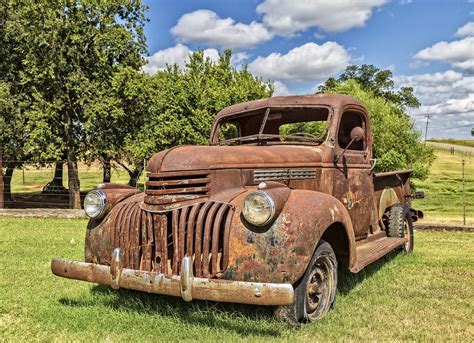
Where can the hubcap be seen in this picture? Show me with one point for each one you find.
(407, 235)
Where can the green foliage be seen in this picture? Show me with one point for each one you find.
(379, 82)
(395, 141)
(183, 103)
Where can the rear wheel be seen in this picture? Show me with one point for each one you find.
(316, 291)
(400, 225)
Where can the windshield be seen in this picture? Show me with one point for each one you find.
(273, 126)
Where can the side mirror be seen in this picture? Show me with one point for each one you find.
(357, 134)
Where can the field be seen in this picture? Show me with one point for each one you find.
(443, 201)
(425, 296)
(462, 142)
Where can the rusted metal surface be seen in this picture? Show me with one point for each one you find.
(188, 224)
(201, 288)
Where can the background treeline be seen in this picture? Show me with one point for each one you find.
(72, 89)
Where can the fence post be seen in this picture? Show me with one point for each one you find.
(1, 178)
(463, 195)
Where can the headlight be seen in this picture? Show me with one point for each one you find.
(258, 208)
(95, 204)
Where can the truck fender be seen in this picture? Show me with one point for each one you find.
(281, 252)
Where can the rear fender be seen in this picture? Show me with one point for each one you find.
(281, 252)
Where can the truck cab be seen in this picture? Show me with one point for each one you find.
(264, 214)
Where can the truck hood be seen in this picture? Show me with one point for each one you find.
(199, 157)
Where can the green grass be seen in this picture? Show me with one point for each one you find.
(463, 142)
(36, 178)
(443, 201)
(425, 296)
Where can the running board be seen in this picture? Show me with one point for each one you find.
(371, 251)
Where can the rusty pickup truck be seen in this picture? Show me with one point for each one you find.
(264, 214)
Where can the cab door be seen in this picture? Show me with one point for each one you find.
(353, 181)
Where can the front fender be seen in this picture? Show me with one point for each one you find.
(282, 252)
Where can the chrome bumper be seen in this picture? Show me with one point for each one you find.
(185, 285)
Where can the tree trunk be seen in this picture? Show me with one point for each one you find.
(134, 175)
(56, 184)
(7, 181)
(72, 170)
(107, 170)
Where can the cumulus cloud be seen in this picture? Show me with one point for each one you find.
(178, 54)
(286, 18)
(458, 53)
(466, 30)
(449, 96)
(309, 62)
(206, 27)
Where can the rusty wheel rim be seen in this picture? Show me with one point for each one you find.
(407, 235)
(318, 288)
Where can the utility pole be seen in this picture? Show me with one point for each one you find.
(428, 116)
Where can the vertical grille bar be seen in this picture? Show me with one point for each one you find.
(191, 226)
(182, 234)
(216, 238)
(198, 239)
(164, 244)
(225, 252)
(158, 246)
(207, 238)
(175, 222)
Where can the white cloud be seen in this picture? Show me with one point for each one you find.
(449, 96)
(206, 27)
(279, 88)
(459, 53)
(466, 30)
(309, 62)
(285, 17)
(178, 54)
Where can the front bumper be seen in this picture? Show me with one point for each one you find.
(185, 285)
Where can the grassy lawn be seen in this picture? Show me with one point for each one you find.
(443, 190)
(428, 295)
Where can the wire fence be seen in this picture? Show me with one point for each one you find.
(449, 190)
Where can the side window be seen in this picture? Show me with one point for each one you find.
(229, 130)
(350, 120)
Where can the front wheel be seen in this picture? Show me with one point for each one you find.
(316, 291)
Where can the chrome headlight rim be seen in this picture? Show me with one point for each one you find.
(271, 203)
(103, 204)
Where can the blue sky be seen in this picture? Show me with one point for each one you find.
(428, 45)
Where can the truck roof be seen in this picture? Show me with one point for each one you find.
(309, 100)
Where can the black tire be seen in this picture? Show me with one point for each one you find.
(316, 291)
(400, 225)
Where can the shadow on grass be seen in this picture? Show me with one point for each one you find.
(347, 280)
(245, 320)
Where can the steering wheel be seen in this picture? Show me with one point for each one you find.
(303, 134)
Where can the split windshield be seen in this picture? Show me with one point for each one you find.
(275, 125)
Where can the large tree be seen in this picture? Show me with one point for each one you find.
(62, 55)
(140, 114)
(377, 81)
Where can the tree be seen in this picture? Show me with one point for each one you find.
(378, 82)
(396, 142)
(61, 55)
(175, 106)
